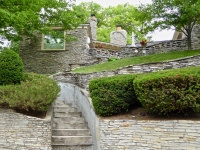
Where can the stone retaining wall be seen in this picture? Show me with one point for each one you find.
(20, 132)
(149, 135)
(158, 47)
(82, 80)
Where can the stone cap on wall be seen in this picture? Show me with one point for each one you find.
(83, 25)
(110, 46)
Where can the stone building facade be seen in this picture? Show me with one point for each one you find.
(83, 53)
(51, 61)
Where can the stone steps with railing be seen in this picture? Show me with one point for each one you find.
(69, 129)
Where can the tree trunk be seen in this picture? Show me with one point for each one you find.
(189, 40)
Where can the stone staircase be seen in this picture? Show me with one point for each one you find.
(69, 129)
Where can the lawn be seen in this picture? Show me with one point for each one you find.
(114, 65)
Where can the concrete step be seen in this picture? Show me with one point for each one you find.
(59, 103)
(64, 109)
(81, 147)
(70, 120)
(67, 114)
(70, 132)
(69, 129)
(71, 140)
(70, 126)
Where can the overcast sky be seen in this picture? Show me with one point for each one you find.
(157, 36)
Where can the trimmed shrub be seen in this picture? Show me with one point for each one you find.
(35, 93)
(170, 91)
(112, 95)
(11, 68)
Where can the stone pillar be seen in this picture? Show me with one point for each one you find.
(119, 36)
(93, 27)
(133, 39)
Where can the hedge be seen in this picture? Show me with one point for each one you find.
(170, 91)
(35, 93)
(112, 95)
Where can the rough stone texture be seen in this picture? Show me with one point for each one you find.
(48, 62)
(102, 55)
(82, 80)
(93, 27)
(149, 135)
(78, 54)
(196, 37)
(72, 148)
(20, 132)
(118, 37)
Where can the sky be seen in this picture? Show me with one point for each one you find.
(156, 36)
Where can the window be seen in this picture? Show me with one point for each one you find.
(54, 41)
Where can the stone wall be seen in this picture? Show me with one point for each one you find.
(20, 132)
(196, 37)
(48, 62)
(77, 53)
(97, 55)
(158, 47)
(82, 80)
(149, 134)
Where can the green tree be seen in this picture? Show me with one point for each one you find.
(129, 17)
(87, 8)
(126, 15)
(26, 17)
(144, 18)
(180, 14)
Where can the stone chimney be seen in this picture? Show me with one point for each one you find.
(93, 27)
(119, 36)
(119, 27)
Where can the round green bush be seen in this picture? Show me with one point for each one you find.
(174, 91)
(11, 68)
(35, 93)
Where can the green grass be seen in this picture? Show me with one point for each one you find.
(114, 65)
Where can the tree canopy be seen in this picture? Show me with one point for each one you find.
(180, 14)
(25, 17)
(130, 17)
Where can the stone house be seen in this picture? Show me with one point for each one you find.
(41, 57)
(52, 57)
